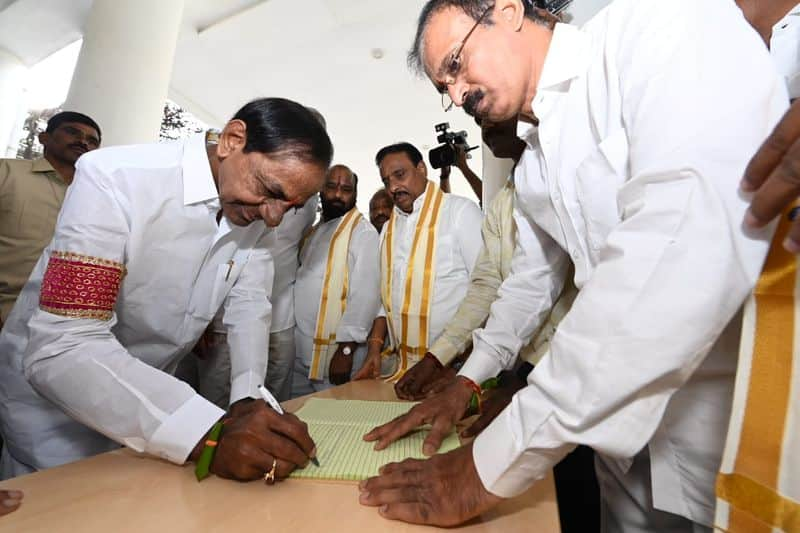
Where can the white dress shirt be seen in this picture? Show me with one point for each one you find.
(458, 244)
(647, 121)
(363, 294)
(284, 250)
(97, 383)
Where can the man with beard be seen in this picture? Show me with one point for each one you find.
(337, 289)
(151, 242)
(428, 252)
(644, 126)
(380, 208)
(31, 194)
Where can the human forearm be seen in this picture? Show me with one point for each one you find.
(474, 181)
(473, 311)
(79, 365)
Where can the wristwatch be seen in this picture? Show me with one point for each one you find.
(347, 351)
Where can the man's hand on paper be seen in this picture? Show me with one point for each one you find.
(256, 436)
(444, 490)
(774, 175)
(425, 372)
(446, 377)
(442, 411)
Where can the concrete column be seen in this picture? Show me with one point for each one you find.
(125, 66)
(12, 85)
(495, 174)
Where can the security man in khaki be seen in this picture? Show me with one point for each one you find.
(31, 193)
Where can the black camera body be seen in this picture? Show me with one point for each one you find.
(444, 155)
(553, 6)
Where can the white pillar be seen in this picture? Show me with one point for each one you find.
(125, 66)
(495, 174)
(12, 85)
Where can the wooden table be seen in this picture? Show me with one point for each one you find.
(122, 491)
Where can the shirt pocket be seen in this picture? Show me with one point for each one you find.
(226, 275)
(29, 219)
(599, 178)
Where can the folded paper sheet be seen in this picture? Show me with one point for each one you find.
(338, 427)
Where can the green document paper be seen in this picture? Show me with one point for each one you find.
(338, 428)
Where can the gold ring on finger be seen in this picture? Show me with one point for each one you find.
(269, 477)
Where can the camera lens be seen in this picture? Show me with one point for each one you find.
(442, 156)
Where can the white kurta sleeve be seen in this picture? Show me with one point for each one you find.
(247, 318)
(363, 295)
(468, 219)
(73, 358)
(523, 301)
(674, 272)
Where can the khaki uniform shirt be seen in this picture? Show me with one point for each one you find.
(31, 194)
(492, 267)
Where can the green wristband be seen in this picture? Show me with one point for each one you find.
(207, 455)
(490, 383)
(474, 407)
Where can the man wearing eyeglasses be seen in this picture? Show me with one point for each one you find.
(646, 119)
(31, 193)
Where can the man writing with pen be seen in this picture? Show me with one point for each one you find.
(151, 242)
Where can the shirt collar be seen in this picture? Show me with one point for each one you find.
(417, 205)
(198, 182)
(42, 165)
(528, 133)
(792, 17)
(567, 58)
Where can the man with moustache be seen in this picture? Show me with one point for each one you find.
(493, 264)
(337, 289)
(151, 242)
(380, 208)
(428, 251)
(31, 194)
(628, 183)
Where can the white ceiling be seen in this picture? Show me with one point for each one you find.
(318, 52)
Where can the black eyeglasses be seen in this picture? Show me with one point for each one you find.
(453, 65)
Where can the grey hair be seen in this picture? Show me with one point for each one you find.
(473, 8)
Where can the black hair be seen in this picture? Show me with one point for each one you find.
(71, 116)
(407, 148)
(278, 126)
(473, 8)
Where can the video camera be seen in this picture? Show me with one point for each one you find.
(553, 6)
(444, 155)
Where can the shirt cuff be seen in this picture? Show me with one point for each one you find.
(351, 334)
(245, 385)
(444, 350)
(177, 436)
(480, 366)
(505, 468)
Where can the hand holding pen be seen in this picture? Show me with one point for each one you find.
(261, 442)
